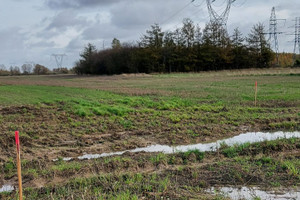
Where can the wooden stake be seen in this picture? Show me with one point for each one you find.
(255, 93)
(19, 165)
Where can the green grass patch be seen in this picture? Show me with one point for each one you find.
(64, 166)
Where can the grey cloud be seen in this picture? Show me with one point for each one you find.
(105, 31)
(126, 20)
(62, 4)
(44, 44)
(66, 19)
(13, 38)
(141, 14)
(13, 45)
(75, 45)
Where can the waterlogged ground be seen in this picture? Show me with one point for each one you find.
(189, 175)
(68, 116)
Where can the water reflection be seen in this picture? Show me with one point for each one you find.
(251, 137)
(255, 193)
(6, 188)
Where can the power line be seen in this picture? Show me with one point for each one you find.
(199, 5)
(240, 5)
(219, 5)
(219, 18)
(297, 37)
(177, 12)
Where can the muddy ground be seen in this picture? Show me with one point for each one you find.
(52, 134)
(187, 175)
(49, 132)
(52, 130)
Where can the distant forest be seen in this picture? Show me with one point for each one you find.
(187, 49)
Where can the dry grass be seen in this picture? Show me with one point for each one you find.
(157, 84)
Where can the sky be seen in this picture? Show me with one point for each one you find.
(31, 31)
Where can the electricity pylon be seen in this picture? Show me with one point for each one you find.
(273, 33)
(297, 37)
(59, 59)
(219, 18)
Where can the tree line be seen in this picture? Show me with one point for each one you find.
(186, 49)
(27, 69)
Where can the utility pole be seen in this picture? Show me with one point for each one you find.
(273, 33)
(59, 59)
(103, 44)
(215, 17)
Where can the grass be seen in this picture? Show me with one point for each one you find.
(189, 116)
(70, 116)
(64, 166)
(292, 166)
(252, 167)
(233, 151)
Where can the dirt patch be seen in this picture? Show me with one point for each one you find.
(185, 173)
(275, 104)
(49, 131)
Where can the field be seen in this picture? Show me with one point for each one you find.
(65, 116)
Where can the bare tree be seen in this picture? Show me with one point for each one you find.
(2, 67)
(40, 69)
(26, 68)
(14, 70)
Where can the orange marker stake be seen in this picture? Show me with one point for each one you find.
(255, 93)
(19, 164)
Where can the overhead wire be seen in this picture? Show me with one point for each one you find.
(177, 12)
(239, 5)
(192, 14)
(198, 4)
(220, 4)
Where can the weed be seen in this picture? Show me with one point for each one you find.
(126, 123)
(63, 166)
(197, 153)
(275, 184)
(266, 160)
(293, 167)
(9, 166)
(81, 112)
(233, 151)
(159, 158)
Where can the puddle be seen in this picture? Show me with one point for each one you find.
(251, 137)
(7, 188)
(64, 159)
(255, 193)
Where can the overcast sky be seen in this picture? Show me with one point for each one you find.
(33, 30)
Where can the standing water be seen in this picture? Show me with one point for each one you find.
(255, 193)
(251, 137)
(6, 188)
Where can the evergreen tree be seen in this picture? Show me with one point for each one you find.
(239, 50)
(116, 44)
(188, 32)
(153, 37)
(86, 63)
(259, 47)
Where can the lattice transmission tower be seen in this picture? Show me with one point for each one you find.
(219, 18)
(297, 37)
(273, 33)
(59, 59)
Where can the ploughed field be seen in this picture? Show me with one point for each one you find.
(62, 116)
